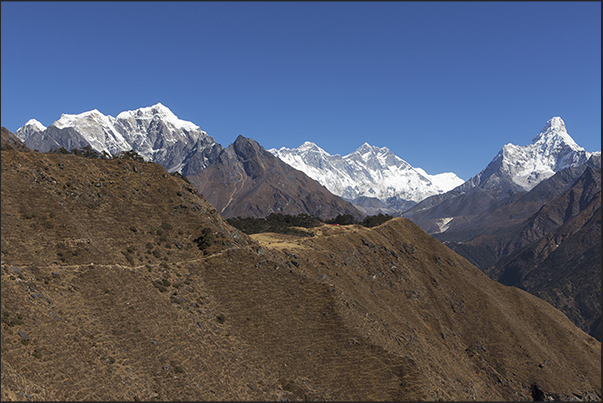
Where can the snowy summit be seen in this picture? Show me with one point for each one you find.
(154, 132)
(552, 150)
(367, 175)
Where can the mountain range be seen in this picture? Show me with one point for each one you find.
(244, 180)
(153, 132)
(373, 178)
(121, 282)
(493, 219)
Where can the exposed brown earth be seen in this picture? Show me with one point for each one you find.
(8, 141)
(245, 180)
(553, 253)
(563, 268)
(120, 282)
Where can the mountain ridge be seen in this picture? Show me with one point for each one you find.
(159, 136)
(368, 175)
(246, 180)
(154, 132)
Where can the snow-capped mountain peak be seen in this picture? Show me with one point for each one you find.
(555, 134)
(89, 117)
(554, 123)
(310, 146)
(35, 124)
(154, 132)
(523, 167)
(366, 148)
(158, 111)
(379, 158)
(32, 126)
(368, 151)
(368, 172)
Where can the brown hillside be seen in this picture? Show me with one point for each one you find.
(555, 253)
(469, 337)
(8, 141)
(63, 209)
(563, 268)
(119, 282)
(245, 180)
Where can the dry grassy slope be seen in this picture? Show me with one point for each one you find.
(352, 313)
(8, 141)
(468, 336)
(63, 209)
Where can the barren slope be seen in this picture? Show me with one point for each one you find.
(119, 282)
(246, 180)
(470, 337)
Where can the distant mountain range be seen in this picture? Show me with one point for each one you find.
(496, 220)
(153, 132)
(373, 178)
(240, 180)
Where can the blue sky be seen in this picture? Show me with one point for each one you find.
(444, 85)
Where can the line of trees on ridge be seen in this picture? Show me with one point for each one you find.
(286, 223)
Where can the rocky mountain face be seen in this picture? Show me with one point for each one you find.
(563, 264)
(373, 178)
(120, 282)
(514, 171)
(246, 180)
(153, 132)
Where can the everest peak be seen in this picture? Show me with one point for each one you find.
(367, 148)
(309, 146)
(369, 171)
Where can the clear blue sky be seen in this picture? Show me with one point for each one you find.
(444, 85)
